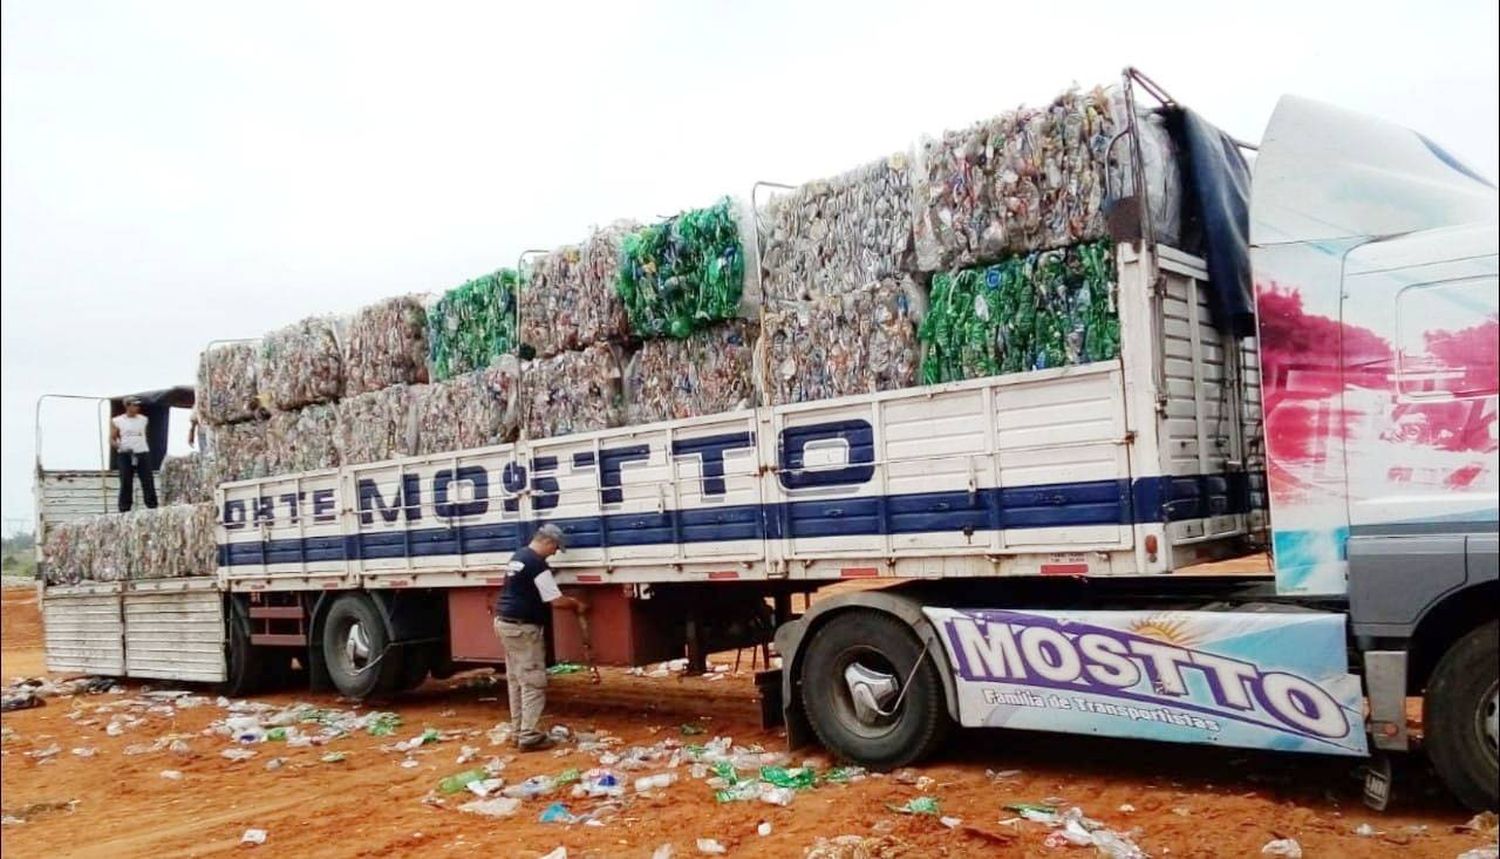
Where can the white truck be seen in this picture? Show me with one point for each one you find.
(1039, 532)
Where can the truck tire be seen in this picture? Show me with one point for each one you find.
(883, 649)
(357, 648)
(244, 669)
(1459, 715)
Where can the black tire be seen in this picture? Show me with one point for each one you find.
(1457, 716)
(245, 667)
(885, 644)
(415, 659)
(378, 669)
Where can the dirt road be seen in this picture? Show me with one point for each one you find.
(1173, 800)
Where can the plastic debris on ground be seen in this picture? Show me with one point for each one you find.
(377, 426)
(763, 829)
(477, 409)
(1282, 847)
(228, 383)
(832, 235)
(711, 847)
(684, 273)
(858, 847)
(176, 541)
(1491, 852)
(557, 853)
(564, 668)
(386, 344)
(302, 364)
(1034, 312)
(572, 392)
(460, 781)
(186, 480)
(171, 775)
(917, 805)
(239, 452)
(500, 806)
(470, 326)
(303, 440)
(253, 836)
(862, 341)
(706, 373)
(568, 297)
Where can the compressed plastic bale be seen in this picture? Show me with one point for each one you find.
(240, 452)
(186, 479)
(175, 541)
(705, 374)
(573, 392)
(302, 440)
(228, 383)
(685, 273)
(468, 327)
(386, 344)
(1031, 312)
(858, 342)
(377, 426)
(69, 550)
(830, 236)
(476, 409)
(302, 364)
(568, 300)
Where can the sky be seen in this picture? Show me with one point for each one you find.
(176, 173)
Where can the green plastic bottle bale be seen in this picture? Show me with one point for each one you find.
(683, 274)
(1032, 312)
(472, 325)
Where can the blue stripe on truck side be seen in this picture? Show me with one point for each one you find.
(1054, 505)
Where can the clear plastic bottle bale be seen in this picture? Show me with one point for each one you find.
(473, 410)
(302, 364)
(186, 479)
(859, 342)
(1030, 179)
(378, 425)
(568, 298)
(229, 383)
(705, 374)
(386, 344)
(468, 327)
(240, 452)
(685, 273)
(832, 235)
(111, 559)
(303, 440)
(573, 392)
(68, 552)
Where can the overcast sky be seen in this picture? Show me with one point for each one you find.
(175, 173)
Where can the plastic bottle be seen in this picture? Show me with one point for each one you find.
(654, 782)
(782, 796)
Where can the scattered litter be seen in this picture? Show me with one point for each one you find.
(557, 812)
(459, 781)
(500, 806)
(710, 846)
(253, 836)
(382, 724)
(1127, 808)
(171, 775)
(655, 782)
(333, 758)
(275, 764)
(1282, 847)
(238, 754)
(1491, 852)
(1484, 823)
(763, 829)
(917, 805)
(466, 754)
(663, 852)
(410, 764)
(1365, 830)
(564, 668)
(86, 752)
(559, 853)
(689, 729)
(951, 822)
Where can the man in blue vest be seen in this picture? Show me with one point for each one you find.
(521, 615)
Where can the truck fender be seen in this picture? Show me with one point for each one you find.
(791, 636)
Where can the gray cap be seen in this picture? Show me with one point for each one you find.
(555, 534)
(132, 401)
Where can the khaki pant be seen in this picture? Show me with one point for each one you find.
(525, 675)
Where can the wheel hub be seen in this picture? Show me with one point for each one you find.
(871, 691)
(357, 646)
(1489, 718)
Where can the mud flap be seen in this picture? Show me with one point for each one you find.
(1377, 777)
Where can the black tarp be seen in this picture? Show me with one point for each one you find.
(157, 407)
(1216, 215)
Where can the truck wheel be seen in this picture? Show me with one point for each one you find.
(356, 648)
(244, 668)
(1460, 713)
(851, 683)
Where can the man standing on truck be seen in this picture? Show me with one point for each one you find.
(127, 435)
(521, 615)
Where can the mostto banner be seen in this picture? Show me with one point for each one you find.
(1266, 681)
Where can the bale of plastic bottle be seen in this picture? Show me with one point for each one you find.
(186, 479)
(302, 440)
(377, 426)
(229, 383)
(302, 364)
(685, 273)
(386, 344)
(468, 327)
(240, 452)
(705, 374)
(573, 392)
(1030, 312)
(833, 235)
(172, 542)
(862, 341)
(568, 299)
(477, 409)
(68, 551)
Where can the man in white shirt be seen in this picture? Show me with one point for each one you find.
(127, 435)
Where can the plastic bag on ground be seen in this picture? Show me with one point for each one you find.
(684, 273)
(303, 440)
(377, 426)
(239, 452)
(476, 409)
(186, 480)
(470, 326)
(862, 341)
(573, 392)
(302, 364)
(1037, 311)
(832, 235)
(705, 374)
(568, 300)
(386, 344)
(228, 383)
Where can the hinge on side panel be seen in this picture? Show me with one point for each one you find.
(777, 570)
(1161, 404)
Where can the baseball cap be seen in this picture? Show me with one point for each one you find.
(555, 534)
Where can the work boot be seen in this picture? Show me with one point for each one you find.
(536, 743)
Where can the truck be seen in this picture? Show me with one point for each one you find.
(1265, 539)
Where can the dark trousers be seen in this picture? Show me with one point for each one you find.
(132, 464)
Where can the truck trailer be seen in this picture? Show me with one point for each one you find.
(1046, 550)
